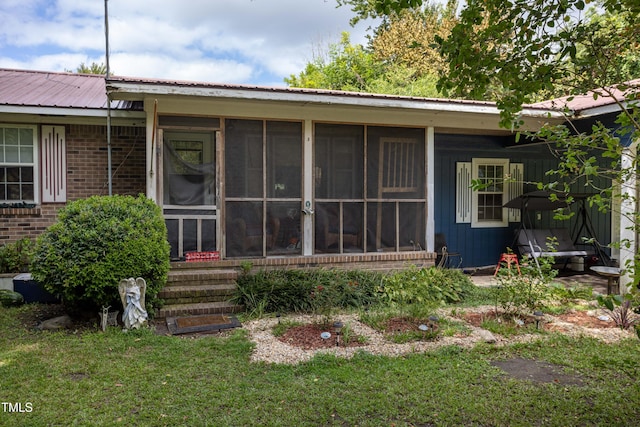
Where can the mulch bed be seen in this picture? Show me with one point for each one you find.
(308, 337)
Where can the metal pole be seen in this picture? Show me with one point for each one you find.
(106, 33)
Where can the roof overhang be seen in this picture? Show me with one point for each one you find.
(68, 112)
(125, 89)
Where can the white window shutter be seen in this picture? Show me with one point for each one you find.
(514, 188)
(464, 193)
(54, 164)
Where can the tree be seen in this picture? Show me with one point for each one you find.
(364, 9)
(401, 58)
(346, 67)
(407, 38)
(94, 68)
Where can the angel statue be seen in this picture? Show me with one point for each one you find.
(132, 296)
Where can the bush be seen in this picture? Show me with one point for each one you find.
(306, 291)
(525, 292)
(431, 286)
(98, 241)
(16, 257)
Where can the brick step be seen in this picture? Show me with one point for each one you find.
(200, 277)
(180, 294)
(178, 310)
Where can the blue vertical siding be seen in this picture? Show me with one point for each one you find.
(483, 246)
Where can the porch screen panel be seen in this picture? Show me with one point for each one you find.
(411, 226)
(243, 158)
(246, 229)
(190, 169)
(284, 157)
(339, 227)
(381, 239)
(396, 196)
(339, 152)
(395, 163)
(283, 228)
(339, 188)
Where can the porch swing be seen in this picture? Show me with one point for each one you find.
(533, 241)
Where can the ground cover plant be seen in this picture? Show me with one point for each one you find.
(323, 291)
(142, 378)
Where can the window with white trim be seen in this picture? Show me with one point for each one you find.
(18, 151)
(499, 181)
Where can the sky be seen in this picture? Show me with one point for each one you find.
(256, 42)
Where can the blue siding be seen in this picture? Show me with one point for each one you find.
(483, 246)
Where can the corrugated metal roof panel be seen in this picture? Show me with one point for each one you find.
(325, 92)
(605, 97)
(62, 90)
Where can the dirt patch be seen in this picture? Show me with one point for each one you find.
(477, 318)
(582, 319)
(538, 371)
(587, 320)
(310, 337)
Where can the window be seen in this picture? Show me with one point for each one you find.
(17, 164)
(499, 181)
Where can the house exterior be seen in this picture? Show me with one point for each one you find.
(278, 176)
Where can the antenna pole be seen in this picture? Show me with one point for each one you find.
(108, 72)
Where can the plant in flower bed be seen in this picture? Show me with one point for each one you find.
(620, 309)
(401, 326)
(526, 292)
(316, 335)
(306, 291)
(426, 286)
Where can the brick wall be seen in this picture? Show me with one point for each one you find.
(87, 175)
(87, 166)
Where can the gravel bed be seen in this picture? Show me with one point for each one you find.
(271, 350)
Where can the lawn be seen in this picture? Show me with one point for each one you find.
(141, 378)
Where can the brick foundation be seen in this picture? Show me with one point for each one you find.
(369, 261)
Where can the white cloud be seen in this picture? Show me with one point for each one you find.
(167, 67)
(236, 41)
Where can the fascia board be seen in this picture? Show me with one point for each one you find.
(69, 112)
(135, 91)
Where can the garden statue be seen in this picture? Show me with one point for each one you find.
(132, 296)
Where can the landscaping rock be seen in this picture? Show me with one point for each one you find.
(60, 322)
(486, 336)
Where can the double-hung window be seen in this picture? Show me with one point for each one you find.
(18, 150)
(497, 181)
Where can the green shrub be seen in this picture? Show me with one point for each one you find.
(525, 292)
(430, 286)
(306, 291)
(16, 257)
(98, 241)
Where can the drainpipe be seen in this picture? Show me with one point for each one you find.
(106, 33)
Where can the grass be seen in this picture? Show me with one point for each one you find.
(139, 378)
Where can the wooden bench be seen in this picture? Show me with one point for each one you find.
(535, 243)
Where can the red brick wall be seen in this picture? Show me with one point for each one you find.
(87, 175)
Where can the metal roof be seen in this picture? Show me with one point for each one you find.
(27, 88)
(596, 100)
(114, 83)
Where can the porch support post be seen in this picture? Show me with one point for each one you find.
(307, 189)
(431, 224)
(628, 206)
(151, 166)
